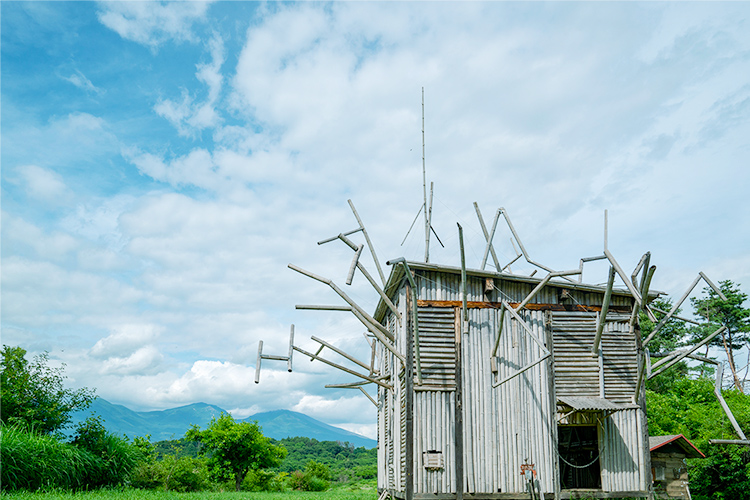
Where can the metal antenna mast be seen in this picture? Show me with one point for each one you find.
(427, 211)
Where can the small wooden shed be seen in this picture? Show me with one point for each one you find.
(505, 389)
(669, 456)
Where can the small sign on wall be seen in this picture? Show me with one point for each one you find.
(433, 460)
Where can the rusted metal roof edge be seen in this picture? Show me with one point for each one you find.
(397, 274)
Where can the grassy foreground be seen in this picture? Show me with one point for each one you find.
(354, 492)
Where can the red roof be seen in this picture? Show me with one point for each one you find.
(656, 442)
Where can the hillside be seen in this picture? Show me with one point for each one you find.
(173, 423)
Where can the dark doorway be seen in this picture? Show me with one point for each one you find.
(579, 457)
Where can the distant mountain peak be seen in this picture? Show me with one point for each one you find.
(174, 422)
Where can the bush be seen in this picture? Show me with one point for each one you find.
(315, 478)
(117, 457)
(170, 472)
(264, 480)
(33, 460)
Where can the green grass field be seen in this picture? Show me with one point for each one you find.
(355, 492)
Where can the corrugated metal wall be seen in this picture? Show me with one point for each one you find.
(510, 424)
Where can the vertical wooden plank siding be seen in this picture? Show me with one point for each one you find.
(516, 421)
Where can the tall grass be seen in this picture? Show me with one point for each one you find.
(31, 460)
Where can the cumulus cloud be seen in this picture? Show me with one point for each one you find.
(125, 340)
(153, 23)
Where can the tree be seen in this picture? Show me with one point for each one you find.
(729, 313)
(670, 337)
(33, 393)
(236, 447)
(690, 407)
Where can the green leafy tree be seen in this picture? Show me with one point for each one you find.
(236, 448)
(33, 393)
(669, 337)
(729, 313)
(690, 407)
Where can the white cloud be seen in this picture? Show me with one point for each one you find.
(125, 340)
(153, 23)
(190, 117)
(45, 185)
(555, 113)
(79, 80)
(146, 360)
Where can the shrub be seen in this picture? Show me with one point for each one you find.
(172, 473)
(264, 480)
(33, 460)
(315, 478)
(117, 456)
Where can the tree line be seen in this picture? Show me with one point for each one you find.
(35, 453)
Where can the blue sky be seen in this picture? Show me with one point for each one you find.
(162, 163)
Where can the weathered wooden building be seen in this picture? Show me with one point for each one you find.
(511, 383)
(669, 464)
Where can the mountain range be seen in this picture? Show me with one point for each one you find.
(173, 423)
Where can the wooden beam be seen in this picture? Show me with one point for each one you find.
(530, 307)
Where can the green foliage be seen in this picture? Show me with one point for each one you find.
(669, 337)
(690, 407)
(728, 313)
(345, 462)
(117, 457)
(264, 480)
(32, 460)
(235, 448)
(33, 394)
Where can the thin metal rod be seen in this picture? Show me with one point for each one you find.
(690, 351)
(344, 296)
(342, 353)
(258, 361)
(305, 307)
(521, 370)
(606, 232)
(730, 415)
(369, 243)
(552, 274)
(348, 385)
(523, 249)
(672, 311)
(368, 396)
(412, 225)
(489, 243)
(499, 332)
(415, 313)
(603, 314)
(623, 277)
(711, 284)
(465, 309)
(342, 368)
(328, 240)
(291, 349)
(741, 442)
(429, 225)
(688, 320)
(353, 266)
(275, 357)
(487, 236)
(525, 326)
(372, 281)
(379, 335)
(424, 190)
